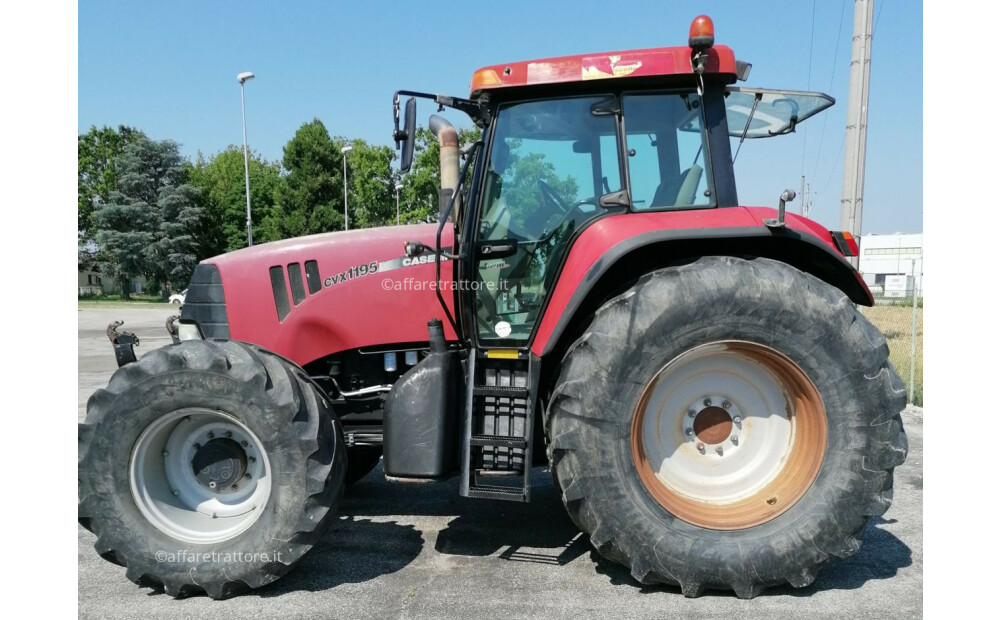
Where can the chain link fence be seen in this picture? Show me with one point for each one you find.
(899, 314)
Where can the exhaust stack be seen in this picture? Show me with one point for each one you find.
(448, 140)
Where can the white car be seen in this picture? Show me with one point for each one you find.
(178, 298)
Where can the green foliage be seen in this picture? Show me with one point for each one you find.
(419, 196)
(96, 174)
(149, 224)
(311, 198)
(222, 183)
(371, 181)
(520, 185)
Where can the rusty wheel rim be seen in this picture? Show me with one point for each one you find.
(729, 435)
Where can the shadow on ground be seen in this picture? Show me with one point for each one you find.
(359, 548)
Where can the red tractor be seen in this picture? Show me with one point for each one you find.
(715, 411)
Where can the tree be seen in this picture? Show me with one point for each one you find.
(97, 176)
(521, 179)
(371, 185)
(311, 198)
(421, 186)
(149, 223)
(222, 183)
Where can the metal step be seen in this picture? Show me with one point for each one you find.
(493, 492)
(498, 426)
(507, 391)
(499, 440)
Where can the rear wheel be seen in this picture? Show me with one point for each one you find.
(727, 424)
(208, 467)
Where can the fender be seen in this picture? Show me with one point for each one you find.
(608, 254)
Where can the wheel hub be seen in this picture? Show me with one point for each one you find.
(712, 425)
(220, 464)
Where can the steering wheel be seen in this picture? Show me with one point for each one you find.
(550, 197)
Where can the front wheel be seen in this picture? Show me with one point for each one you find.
(727, 424)
(209, 467)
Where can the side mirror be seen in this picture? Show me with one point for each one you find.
(409, 135)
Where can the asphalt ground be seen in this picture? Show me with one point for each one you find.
(421, 551)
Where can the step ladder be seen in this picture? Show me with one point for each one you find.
(499, 423)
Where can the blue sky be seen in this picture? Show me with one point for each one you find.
(170, 70)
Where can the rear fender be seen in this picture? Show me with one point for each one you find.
(622, 262)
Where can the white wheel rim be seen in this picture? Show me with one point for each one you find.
(175, 500)
(729, 434)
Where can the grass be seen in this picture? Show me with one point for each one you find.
(896, 323)
(116, 301)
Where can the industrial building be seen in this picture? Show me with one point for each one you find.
(892, 265)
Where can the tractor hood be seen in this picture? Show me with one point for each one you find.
(308, 297)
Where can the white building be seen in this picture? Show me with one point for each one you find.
(893, 265)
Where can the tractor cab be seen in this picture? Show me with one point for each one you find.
(566, 142)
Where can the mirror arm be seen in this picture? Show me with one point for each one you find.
(475, 111)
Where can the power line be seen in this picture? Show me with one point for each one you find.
(878, 15)
(812, 36)
(834, 166)
(833, 74)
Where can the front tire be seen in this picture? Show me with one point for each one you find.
(209, 467)
(810, 381)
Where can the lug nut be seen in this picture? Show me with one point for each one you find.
(247, 475)
(737, 420)
(197, 446)
(251, 459)
(708, 402)
(701, 447)
(689, 431)
(691, 413)
(211, 484)
(229, 433)
(244, 444)
(726, 404)
(235, 486)
(718, 450)
(735, 440)
(211, 435)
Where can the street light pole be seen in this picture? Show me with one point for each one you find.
(343, 152)
(242, 79)
(399, 186)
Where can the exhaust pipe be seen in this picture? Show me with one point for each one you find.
(448, 140)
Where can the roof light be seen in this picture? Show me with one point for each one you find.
(702, 33)
(483, 78)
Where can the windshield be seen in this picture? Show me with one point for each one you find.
(549, 164)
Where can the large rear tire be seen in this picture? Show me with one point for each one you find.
(726, 424)
(209, 467)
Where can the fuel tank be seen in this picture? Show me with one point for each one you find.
(308, 297)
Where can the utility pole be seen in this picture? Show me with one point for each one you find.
(857, 122)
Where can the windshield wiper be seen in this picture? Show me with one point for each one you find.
(756, 99)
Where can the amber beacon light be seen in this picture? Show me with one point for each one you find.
(702, 33)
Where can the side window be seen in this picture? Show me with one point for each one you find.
(665, 141)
